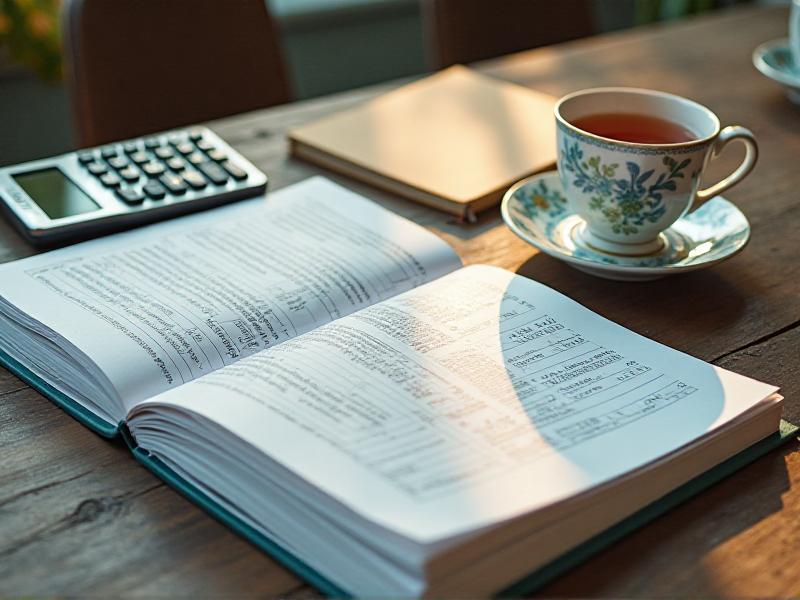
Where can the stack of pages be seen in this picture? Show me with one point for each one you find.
(326, 378)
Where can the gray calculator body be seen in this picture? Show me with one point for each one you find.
(94, 191)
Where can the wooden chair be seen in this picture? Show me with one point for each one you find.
(464, 31)
(139, 66)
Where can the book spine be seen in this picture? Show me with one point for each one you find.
(197, 497)
(78, 412)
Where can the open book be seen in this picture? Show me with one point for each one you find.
(325, 377)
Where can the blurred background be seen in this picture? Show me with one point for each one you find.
(325, 46)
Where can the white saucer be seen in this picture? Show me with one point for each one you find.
(774, 59)
(536, 210)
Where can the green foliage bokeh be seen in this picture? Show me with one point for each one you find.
(30, 30)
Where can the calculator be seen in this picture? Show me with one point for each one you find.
(98, 190)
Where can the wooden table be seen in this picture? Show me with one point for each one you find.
(78, 516)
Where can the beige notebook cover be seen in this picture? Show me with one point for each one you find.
(455, 140)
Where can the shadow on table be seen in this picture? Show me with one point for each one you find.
(682, 311)
(780, 111)
(672, 556)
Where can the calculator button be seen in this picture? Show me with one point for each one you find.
(108, 152)
(86, 157)
(155, 190)
(174, 183)
(176, 139)
(129, 174)
(185, 148)
(196, 158)
(217, 155)
(130, 195)
(110, 180)
(96, 168)
(176, 164)
(153, 168)
(205, 145)
(152, 143)
(164, 152)
(195, 134)
(131, 147)
(235, 171)
(118, 162)
(140, 157)
(214, 172)
(195, 179)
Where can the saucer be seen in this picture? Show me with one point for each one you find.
(774, 59)
(536, 210)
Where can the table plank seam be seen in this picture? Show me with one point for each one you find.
(757, 341)
(302, 591)
(14, 390)
(86, 512)
(40, 488)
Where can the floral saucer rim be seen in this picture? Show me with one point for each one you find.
(787, 77)
(602, 264)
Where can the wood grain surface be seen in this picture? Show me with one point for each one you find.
(79, 517)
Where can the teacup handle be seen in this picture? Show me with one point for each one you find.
(732, 132)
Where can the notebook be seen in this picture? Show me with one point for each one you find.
(328, 380)
(455, 140)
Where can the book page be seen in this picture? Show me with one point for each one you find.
(473, 399)
(163, 305)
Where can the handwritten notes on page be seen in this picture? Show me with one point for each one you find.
(160, 306)
(475, 398)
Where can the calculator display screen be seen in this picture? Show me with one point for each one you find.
(57, 195)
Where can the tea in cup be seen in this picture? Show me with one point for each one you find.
(630, 162)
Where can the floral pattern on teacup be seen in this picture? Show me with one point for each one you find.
(714, 232)
(540, 198)
(626, 202)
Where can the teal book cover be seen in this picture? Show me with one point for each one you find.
(71, 407)
(528, 584)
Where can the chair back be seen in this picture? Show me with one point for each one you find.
(465, 31)
(139, 66)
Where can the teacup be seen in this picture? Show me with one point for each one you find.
(794, 33)
(629, 192)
